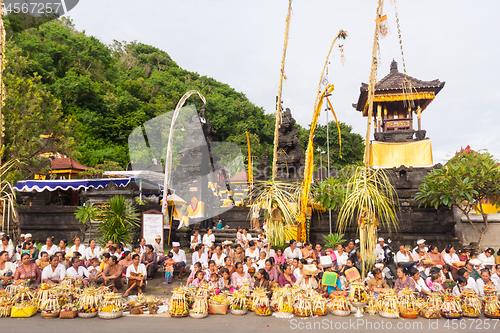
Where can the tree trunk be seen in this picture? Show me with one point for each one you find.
(16, 228)
(483, 231)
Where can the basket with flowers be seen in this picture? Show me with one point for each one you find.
(389, 306)
(492, 307)
(471, 304)
(451, 307)
(179, 306)
(339, 306)
(239, 303)
(302, 306)
(408, 304)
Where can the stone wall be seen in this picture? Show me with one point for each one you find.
(467, 234)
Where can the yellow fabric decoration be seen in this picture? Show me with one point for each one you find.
(250, 171)
(338, 127)
(415, 154)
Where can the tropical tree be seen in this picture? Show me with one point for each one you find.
(86, 214)
(118, 221)
(464, 182)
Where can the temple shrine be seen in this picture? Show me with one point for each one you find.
(399, 100)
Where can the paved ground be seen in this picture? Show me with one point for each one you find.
(247, 323)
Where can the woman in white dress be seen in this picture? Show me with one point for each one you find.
(487, 258)
(49, 247)
(195, 239)
(218, 256)
(78, 247)
(78, 272)
(450, 258)
(209, 237)
(93, 251)
(136, 276)
(252, 251)
(199, 255)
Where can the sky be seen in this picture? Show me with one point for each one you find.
(240, 43)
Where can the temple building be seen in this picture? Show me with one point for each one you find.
(399, 101)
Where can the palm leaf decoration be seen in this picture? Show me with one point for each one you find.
(119, 220)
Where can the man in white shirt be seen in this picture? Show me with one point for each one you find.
(292, 252)
(379, 249)
(6, 246)
(421, 245)
(158, 249)
(142, 244)
(136, 273)
(179, 258)
(78, 272)
(49, 247)
(403, 255)
(53, 273)
(419, 282)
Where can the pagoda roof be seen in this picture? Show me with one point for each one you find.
(392, 85)
(67, 164)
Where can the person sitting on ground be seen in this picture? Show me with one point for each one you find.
(112, 274)
(252, 251)
(49, 247)
(485, 280)
(261, 263)
(104, 262)
(209, 237)
(249, 265)
(78, 247)
(136, 276)
(487, 257)
(225, 281)
(196, 267)
(461, 286)
(92, 251)
(195, 240)
(126, 261)
(228, 263)
(63, 246)
(377, 283)
(262, 280)
(307, 282)
(447, 278)
(238, 254)
(7, 269)
(435, 255)
(272, 272)
(240, 278)
(318, 252)
(28, 270)
(55, 272)
(473, 272)
(403, 254)
(213, 283)
(30, 249)
(149, 260)
(299, 271)
(179, 257)
(43, 261)
(218, 256)
(307, 252)
(212, 268)
(198, 280)
(471, 283)
(199, 255)
(158, 250)
(93, 269)
(433, 282)
(420, 285)
(286, 277)
(77, 271)
(106, 247)
(403, 281)
(292, 251)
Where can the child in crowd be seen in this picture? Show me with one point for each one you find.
(214, 281)
(93, 270)
(169, 268)
(199, 280)
(460, 287)
(261, 263)
(192, 276)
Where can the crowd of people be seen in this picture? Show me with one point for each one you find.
(248, 261)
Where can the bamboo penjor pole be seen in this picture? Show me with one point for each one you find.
(280, 89)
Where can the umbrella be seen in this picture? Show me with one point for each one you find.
(174, 199)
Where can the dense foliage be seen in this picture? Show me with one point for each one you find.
(464, 182)
(89, 97)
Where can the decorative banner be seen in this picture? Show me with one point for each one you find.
(250, 170)
(383, 26)
(168, 159)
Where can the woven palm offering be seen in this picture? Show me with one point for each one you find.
(261, 305)
(318, 304)
(451, 307)
(111, 306)
(282, 300)
(372, 306)
(239, 303)
(200, 308)
(5, 304)
(389, 306)
(179, 306)
(303, 306)
(358, 294)
(408, 307)
(471, 304)
(492, 307)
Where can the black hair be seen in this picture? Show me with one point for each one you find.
(211, 262)
(42, 253)
(246, 258)
(251, 243)
(280, 249)
(6, 237)
(376, 271)
(198, 247)
(106, 255)
(114, 259)
(74, 259)
(292, 241)
(269, 261)
(136, 255)
(237, 246)
(125, 254)
(76, 253)
(22, 255)
(461, 271)
(112, 248)
(461, 279)
(149, 246)
(272, 260)
(225, 259)
(65, 241)
(52, 257)
(136, 246)
(197, 264)
(485, 270)
(90, 241)
(264, 274)
(285, 266)
(490, 250)
(196, 274)
(3, 252)
(303, 261)
(218, 246)
(224, 270)
(238, 264)
(447, 267)
(413, 271)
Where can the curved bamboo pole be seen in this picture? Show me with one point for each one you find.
(280, 90)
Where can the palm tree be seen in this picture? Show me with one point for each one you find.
(118, 220)
(87, 213)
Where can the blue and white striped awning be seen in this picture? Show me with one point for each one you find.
(77, 184)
